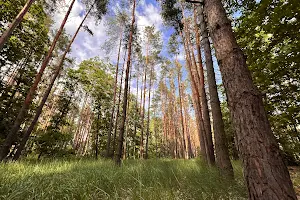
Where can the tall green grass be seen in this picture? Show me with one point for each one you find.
(90, 179)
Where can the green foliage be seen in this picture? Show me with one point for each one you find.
(94, 77)
(171, 14)
(53, 144)
(99, 8)
(29, 38)
(116, 26)
(269, 35)
(54, 141)
(173, 45)
(147, 179)
(20, 58)
(230, 132)
(154, 42)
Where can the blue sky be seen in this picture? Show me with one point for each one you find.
(87, 46)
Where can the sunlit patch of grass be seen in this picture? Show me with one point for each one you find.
(136, 179)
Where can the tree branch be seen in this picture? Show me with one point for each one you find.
(191, 1)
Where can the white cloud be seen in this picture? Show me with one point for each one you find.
(149, 16)
(86, 46)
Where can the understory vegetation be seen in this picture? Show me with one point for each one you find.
(102, 179)
(150, 99)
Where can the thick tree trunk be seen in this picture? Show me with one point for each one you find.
(23, 111)
(114, 99)
(122, 128)
(222, 154)
(47, 92)
(6, 34)
(266, 175)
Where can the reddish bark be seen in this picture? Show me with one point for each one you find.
(266, 175)
(47, 92)
(222, 154)
(6, 34)
(114, 99)
(11, 137)
(122, 128)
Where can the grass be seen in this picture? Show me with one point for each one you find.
(90, 179)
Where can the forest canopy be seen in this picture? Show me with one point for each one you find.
(213, 80)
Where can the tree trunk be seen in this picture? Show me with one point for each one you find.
(24, 110)
(189, 143)
(148, 117)
(77, 136)
(118, 111)
(47, 92)
(266, 175)
(195, 78)
(198, 73)
(6, 34)
(164, 108)
(155, 135)
(196, 102)
(222, 154)
(137, 113)
(122, 128)
(143, 111)
(114, 99)
(127, 123)
(181, 114)
(97, 138)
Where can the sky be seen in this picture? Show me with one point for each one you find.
(86, 46)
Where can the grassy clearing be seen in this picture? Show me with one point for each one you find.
(90, 179)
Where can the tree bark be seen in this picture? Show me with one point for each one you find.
(47, 92)
(186, 117)
(266, 175)
(114, 99)
(137, 112)
(6, 34)
(144, 100)
(222, 154)
(198, 73)
(148, 117)
(122, 128)
(203, 135)
(24, 110)
(118, 111)
(126, 122)
(185, 152)
(197, 106)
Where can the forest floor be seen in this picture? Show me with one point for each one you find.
(146, 179)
